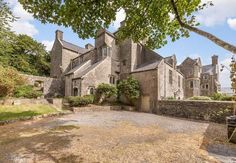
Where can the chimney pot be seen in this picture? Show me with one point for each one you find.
(214, 59)
(88, 46)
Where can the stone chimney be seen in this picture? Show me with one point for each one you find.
(88, 46)
(59, 35)
(214, 59)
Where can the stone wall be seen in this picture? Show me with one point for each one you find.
(149, 92)
(166, 88)
(215, 111)
(97, 75)
(56, 59)
(51, 86)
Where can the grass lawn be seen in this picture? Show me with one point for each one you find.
(12, 112)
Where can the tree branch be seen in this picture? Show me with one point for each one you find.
(207, 35)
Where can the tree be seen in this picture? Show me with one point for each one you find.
(6, 17)
(20, 51)
(26, 55)
(105, 91)
(6, 36)
(29, 56)
(150, 20)
(9, 80)
(129, 88)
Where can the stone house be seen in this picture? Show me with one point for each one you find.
(200, 80)
(81, 70)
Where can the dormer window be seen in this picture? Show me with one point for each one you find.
(105, 51)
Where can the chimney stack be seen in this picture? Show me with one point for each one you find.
(214, 59)
(88, 46)
(59, 35)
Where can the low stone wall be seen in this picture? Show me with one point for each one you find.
(57, 102)
(51, 86)
(215, 111)
(95, 108)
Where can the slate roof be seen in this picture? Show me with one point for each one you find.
(208, 69)
(88, 69)
(73, 47)
(147, 66)
(77, 67)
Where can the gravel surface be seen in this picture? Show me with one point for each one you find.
(114, 136)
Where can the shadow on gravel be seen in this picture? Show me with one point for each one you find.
(215, 141)
(49, 146)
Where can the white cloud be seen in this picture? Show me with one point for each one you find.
(48, 44)
(218, 13)
(120, 16)
(24, 24)
(24, 28)
(19, 11)
(232, 23)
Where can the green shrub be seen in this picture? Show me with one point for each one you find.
(227, 98)
(89, 98)
(221, 97)
(27, 91)
(129, 88)
(80, 101)
(105, 91)
(9, 80)
(199, 98)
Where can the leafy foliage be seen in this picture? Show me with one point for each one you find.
(9, 80)
(26, 55)
(27, 91)
(199, 98)
(21, 51)
(221, 97)
(75, 101)
(152, 19)
(129, 88)
(105, 91)
(233, 77)
(149, 21)
(6, 16)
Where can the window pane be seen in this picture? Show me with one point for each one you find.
(191, 84)
(170, 77)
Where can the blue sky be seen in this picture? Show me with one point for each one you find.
(219, 20)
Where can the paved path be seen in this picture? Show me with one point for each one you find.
(114, 136)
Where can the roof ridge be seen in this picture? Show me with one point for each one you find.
(73, 44)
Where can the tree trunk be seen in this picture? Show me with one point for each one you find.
(207, 35)
(101, 99)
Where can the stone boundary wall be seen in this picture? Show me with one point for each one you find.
(51, 86)
(57, 102)
(215, 111)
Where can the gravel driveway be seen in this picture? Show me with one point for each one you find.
(114, 136)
